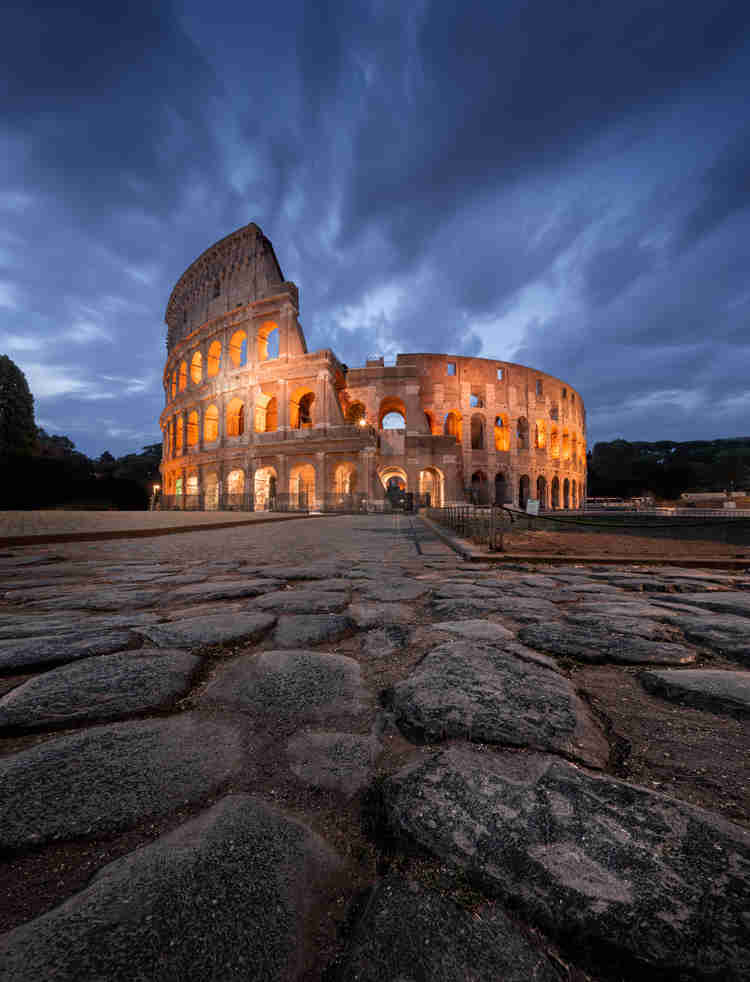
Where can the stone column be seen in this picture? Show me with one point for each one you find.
(282, 400)
(416, 422)
(321, 480)
(322, 395)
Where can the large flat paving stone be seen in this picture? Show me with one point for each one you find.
(109, 777)
(395, 591)
(15, 626)
(385, 641)
(477, 630)
(410, 933)
(197, 632)
(633, 875)
(723, 602)
(476, 692)
(722, 692)
(726, 634)
(597, 644)
(221, 590)
(298, 630)
(641, 627)
(38, 652)
(451, 591)
(523, 609)
(101, 688)
(98, 598)
(231, 894)
(302, 601)
(368, 615)
(295, 683)
(337, 761)
(311, 571)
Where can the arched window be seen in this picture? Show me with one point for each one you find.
(554, 443)
(238, 349)
(268, 341)
(566, 493)
(540, 434)
(192, 428)
(541, 492)
(453, 425)
(431, 481)
(235, 418)
(566, 445)
(356, 414)
(523, 433)
(236, 482)
(502, 432)
(555, 493)
(300, 409)
(477, 432)
(266, 413)
(183, 376)
(211, 424)
(264, 486)
(523, 492)
(500, 488)
(302, 486)
(191, 485)
(345, 479)
(392, 414)
(213, 362)
(196, 368)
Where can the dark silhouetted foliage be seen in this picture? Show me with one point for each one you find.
(17, 426)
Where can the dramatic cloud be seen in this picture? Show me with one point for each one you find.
(564, 185)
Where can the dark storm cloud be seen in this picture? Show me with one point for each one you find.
(565, 179)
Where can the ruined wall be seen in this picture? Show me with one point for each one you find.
(250, 411)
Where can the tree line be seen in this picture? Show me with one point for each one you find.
(43, 470)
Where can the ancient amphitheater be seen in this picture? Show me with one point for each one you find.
(253, 419)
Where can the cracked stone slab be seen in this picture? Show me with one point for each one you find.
(337, 761)
(366, 615)
(722, 692)
(37, 652)
(613, 865)
(104, 687)
(408, 932)
(221, 590)
(109, 777)
(290, 683)
(726, 634)
(477, 630)
(641, 627)
(99, 599)
(233, 894)
(468, 691)
(197, 632)
(16, 626)
(722, 601)
(522, 609)
(598, 644)
(302, 601)
(298, 630)
(396, 591)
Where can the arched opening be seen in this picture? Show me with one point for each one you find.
(236, 482)
(211, 492)
(238, 349)
(392, 414)
(191, 486)
(235, 418)
(211, 424)
(345, 479)
(540, 434)
(522, 431)
(302, 486)
(268, 341)
(264, 485)
(566, 445)
(573, 494)
(196, 368)
(480, 490)
(452, 426)
(555, 493)
(394, 483)
(266, 413)
(431, 482)
(566, 493)
(178, 434)
(356, 414)
(477, 432)
(541, 492)
(300, 409)
(192, 428)
(523, 492)
(213, 361)
(178, 486)
(502, 432)
(554, 443)
(183, 376)
(476, 401)
(500, 488)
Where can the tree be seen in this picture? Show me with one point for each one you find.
(17, 426)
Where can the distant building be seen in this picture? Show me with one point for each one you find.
(253, 418)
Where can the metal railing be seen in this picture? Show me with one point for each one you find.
(482, 525)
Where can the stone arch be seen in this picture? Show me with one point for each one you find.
(302, 485)
(453, 425)
(345, 478)
(182, 384)
(566, 445)
(191, 484)
(264, 488)
(501, 488)
(236, 485)
(266, 413)
(238, 349)
(523, 491)
(193, 429)
(502, 432)
(196, 368)
(554, 443)
(555, 493)
(300, 408)
(211, 491)
(391, 406)
(477, 432)
(211, 424)
(541, 491)
(522, 432)
(540, 434)
(386, 473)
(480, 488)
(235, 422)
(432, 482)
(356, 414)
(566, 493)
(213, 360)
(267, 342)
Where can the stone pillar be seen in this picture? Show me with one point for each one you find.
(416, 422)
(322, 396)
(321, 479)
(282, 400)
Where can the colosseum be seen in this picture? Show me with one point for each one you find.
(253, 420)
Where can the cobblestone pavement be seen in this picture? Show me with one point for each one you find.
(250, 752)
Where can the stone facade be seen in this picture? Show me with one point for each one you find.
(251, 414)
